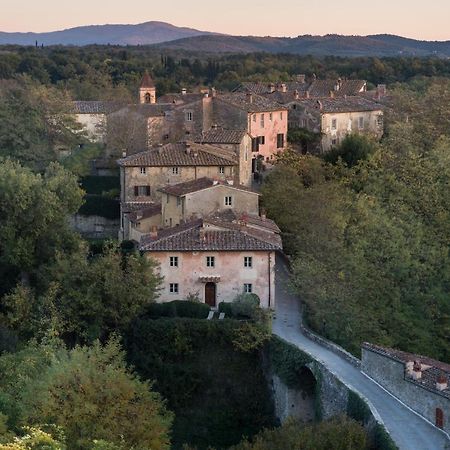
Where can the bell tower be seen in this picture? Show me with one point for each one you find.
(147, 90)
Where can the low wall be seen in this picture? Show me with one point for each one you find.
(284, 363)
(95, 227)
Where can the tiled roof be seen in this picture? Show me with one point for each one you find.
(341, 104)
(195, 237)
(179, 155)
(221, 136)
(180, 99)
(261, 88)
(249, 102)
(135, 206)
(231, 217)
(432, 369)
(187, 187)
(95, 107)
(147, 81)
(150, 110)
(322, 88)
(144, 213)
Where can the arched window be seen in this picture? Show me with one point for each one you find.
(148, 98)
(439, 418)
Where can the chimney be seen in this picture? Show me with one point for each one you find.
(124, 153)
(188, 148)
(263, 214)
(154, 232)
(183, 91)
(331, 94)
(205, 94)
(296, 94)
(319, 104)
(441, 383)
(249, 97)
(417, 370)
(301, 78)
(160, 149)
(282, 87)
(337, 86)
(271, 88)
(213, 92)
(381, 90)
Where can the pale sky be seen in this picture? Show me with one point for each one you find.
(428, 20)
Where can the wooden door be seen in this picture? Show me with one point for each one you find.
(210, 294)
(439, 418)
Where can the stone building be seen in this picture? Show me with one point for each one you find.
(199, 198)
(144, 173)
(421, 383)
(336, 117)
(265, 121)
(147, 90)
(216, 258)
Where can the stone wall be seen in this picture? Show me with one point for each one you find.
(95, 227)
(390, 374)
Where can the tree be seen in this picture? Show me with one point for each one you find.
(34, 210)
(91, 394)
(354, 148)
(83, 298)
(35, 123)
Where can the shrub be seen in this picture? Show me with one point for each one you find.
(245, 305)
(178, 308)
(96, 205)
(98, 185)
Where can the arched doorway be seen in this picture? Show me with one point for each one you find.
(439, 418)
(210, 294)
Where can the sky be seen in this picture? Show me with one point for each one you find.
(410, 18)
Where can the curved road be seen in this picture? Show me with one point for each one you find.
(408, 430)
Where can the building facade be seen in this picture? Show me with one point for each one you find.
(420, 382)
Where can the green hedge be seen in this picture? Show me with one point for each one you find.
(381, 439)
(98, 185)
(96, 205)
(178, 308)
(357, 408)
(287, 361)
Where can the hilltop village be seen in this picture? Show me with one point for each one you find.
(189, 179)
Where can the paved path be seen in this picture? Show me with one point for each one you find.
(409, 431)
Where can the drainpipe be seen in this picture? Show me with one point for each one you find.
(270, 283)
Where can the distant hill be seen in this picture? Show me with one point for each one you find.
(168, 36)
(376, 45)
(141, 34)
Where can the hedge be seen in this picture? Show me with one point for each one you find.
(178, 308)
(98, 185)
(96, 205)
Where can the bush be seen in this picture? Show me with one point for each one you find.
(98, 185)
(381, 439)
(178, 308)
(96, 205)
(245, 306)
(225, 307)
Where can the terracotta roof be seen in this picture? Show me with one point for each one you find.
(144, 213)
(194, 236)
(431, 370)
(135, 206)
(231, 217)
(322, 88)
(221, 136)
(261, 88)
(150, 109)
(180, 99)
(147, 81)
(95, 107)
(340, 104)
(200, 184)
(249, 102)
(179, 155)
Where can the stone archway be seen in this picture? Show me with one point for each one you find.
(307, 399)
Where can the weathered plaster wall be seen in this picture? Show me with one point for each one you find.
(94, 226)
(94, 125)
(391, 375)
(229, 266)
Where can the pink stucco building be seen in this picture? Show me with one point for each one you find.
(217, 258)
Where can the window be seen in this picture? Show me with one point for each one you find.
(248, 261)
(254, 117)
(222, 170)
(361, 123)
(142, 191)
(280, 140)
(248, 288)
(210, 261)
(189, 116)
(255, 144)
(246, 154)
(262, 140)
(228, 200)
(334, 124)
(175, 171)
(143, 171)
(281, 115)
(262, 121)
(173, 261)
(294, 106)
(168, 199)
(333, 141)
(270, 117)
(173, 288)
(148, 98)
